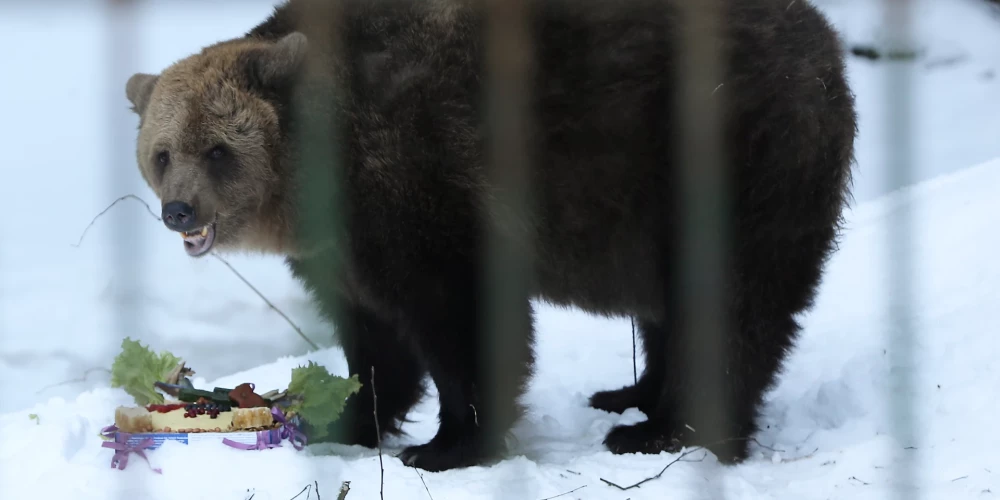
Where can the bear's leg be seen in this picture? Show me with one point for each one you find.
(753, 352)
(370, 342)
(646, 392)
(476, 410)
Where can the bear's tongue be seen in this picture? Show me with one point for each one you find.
(199, 241)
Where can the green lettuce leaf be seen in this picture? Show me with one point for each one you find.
(137, 368)
(319, 397)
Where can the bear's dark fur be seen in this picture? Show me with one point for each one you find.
(406, 287)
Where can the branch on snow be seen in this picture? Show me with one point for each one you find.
(659, 474)
(214, 254)
(567, 493)
(681, 459)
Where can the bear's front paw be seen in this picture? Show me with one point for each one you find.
(617, 401)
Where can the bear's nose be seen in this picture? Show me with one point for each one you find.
(178, 216)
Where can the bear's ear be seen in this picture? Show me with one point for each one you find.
(273, 65)
(138, 89)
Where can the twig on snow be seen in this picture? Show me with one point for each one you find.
(316, 484)
(681, 459)
(659, 474)
(421, 476)
(766, 447)
(308, 487)
(567, 493)
(378, 439)
(804, 457)
(214, 254)
(852, 478)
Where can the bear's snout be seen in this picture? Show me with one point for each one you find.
(179, 216)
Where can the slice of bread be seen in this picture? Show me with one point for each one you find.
(252, 418)
(133, 419)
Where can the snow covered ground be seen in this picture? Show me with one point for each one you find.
(67, 139)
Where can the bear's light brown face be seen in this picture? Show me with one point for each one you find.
(209, 144)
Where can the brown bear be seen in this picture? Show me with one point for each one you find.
(356, 141)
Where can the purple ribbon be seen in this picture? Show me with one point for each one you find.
(109, 431)
(123, 449)
(288, 431)
(263, 442)
(265, 439)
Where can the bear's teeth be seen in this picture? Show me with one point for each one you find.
(203, 233)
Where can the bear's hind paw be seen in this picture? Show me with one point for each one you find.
(437, 457)
(649, 438)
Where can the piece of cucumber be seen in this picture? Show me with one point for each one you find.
(192, 395)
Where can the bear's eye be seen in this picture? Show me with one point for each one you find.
(162, 158)
(217, 153)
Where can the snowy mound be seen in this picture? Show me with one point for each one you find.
(828, 417)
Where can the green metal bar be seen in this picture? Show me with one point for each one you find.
(510, 204)
(899, 96)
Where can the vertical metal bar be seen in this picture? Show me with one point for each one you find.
(703, 189)
(319, 167)
(508, 254)
(125, 258)
(899, 97)
(320, 155)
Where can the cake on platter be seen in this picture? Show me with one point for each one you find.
(202, 415)
(169, 407)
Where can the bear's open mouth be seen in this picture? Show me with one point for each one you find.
(199, 241)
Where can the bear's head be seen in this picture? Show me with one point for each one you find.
(210, 144)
